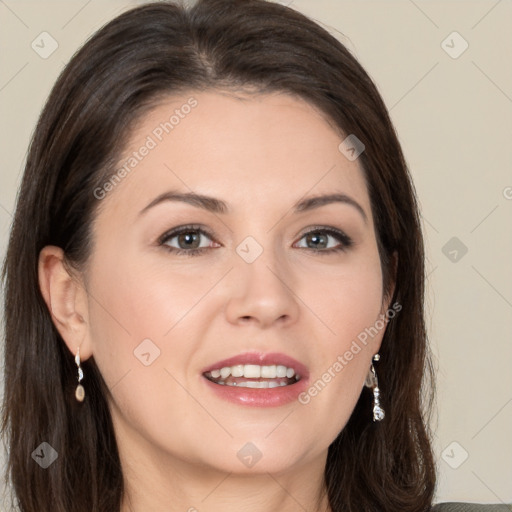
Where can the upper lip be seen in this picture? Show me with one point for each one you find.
(262, 359)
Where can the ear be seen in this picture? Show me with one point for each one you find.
(386, 299)
(66, 299)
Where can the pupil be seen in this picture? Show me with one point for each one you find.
(189, 237)
(317, 239)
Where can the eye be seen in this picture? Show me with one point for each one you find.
(187, 240)
(193, 240)
(318, 240)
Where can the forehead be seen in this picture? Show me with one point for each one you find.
(243, 148)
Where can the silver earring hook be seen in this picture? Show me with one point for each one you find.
(80, 391)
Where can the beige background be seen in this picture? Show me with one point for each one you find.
(454, 119)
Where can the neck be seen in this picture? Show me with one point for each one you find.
(176, 485)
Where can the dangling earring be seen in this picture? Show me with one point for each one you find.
(80, 391)
(372, 382)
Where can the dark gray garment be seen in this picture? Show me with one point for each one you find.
(470, 507)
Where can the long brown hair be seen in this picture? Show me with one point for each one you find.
(134, 61)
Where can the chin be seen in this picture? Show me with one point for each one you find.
(258, 454)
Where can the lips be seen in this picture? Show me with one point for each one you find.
(256, 379)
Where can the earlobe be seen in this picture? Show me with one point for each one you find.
(65, 298)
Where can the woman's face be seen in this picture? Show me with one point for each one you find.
(179, 287)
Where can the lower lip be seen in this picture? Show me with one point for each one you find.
(258, 397)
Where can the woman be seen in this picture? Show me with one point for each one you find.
(279, 368)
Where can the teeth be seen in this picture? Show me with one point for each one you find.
(281, 371)
(254, 371)
(255, 384)
(238, 370)
(251, 384)
(268, 372)
(225, 372)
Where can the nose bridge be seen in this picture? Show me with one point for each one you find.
(262, 283)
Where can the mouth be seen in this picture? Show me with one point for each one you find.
(257, 379)
(254, 376)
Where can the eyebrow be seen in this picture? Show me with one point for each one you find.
(218, 206)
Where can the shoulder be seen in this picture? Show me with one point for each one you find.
(470, 507)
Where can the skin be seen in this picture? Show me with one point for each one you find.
(178, 442)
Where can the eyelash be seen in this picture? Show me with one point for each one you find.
(345, 241)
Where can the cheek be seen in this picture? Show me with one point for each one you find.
(133, 313)
(132, 301)
(348, 301)
(140, 299)
(349, 305)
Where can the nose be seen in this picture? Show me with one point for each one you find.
(262, 292)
